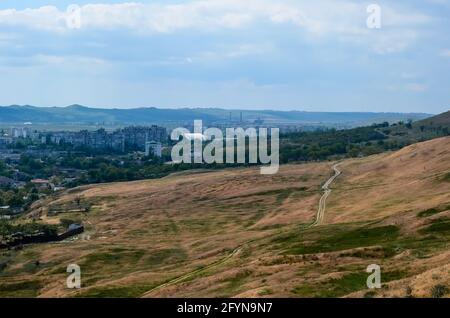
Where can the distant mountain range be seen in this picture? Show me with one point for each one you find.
(77, 114)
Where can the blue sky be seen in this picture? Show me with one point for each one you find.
(255, 54)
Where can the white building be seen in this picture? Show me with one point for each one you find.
(153, 147)
(21, 132)
(5, 140)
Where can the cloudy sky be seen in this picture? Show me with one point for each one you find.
(256, 54)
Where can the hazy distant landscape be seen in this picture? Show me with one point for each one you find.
(79, 115)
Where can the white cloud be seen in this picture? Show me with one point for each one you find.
(343, 20)
(47, 18)
(320, 16)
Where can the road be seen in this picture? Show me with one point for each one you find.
(319, 219)
(327, 191)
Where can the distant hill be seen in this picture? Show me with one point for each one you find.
(425, 129)
(441, 120)
(77, 114)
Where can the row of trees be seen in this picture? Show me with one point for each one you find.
(18, 197)
(321, 145)
(8, 228)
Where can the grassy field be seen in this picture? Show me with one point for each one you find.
(242, 234)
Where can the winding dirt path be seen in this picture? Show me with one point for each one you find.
(327, 191)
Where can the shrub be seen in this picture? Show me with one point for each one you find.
(439, 291)
(447, 177)
(428, 212)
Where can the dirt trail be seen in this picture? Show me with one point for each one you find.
(327, 191)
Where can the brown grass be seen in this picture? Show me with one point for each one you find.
(142, 234)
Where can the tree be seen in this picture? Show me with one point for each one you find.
(409, 124)
(78, 200)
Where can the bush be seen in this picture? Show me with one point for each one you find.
(439, 291)
(428, 212)
(447, 177)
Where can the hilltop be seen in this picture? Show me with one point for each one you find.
(425, 129)
(237, 233)
(441, 120)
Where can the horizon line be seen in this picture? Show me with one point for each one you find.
(217, 108)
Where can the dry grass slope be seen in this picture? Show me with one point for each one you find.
(390, 209)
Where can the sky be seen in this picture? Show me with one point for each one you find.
(255, 54)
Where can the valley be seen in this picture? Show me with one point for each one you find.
(236, 233)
